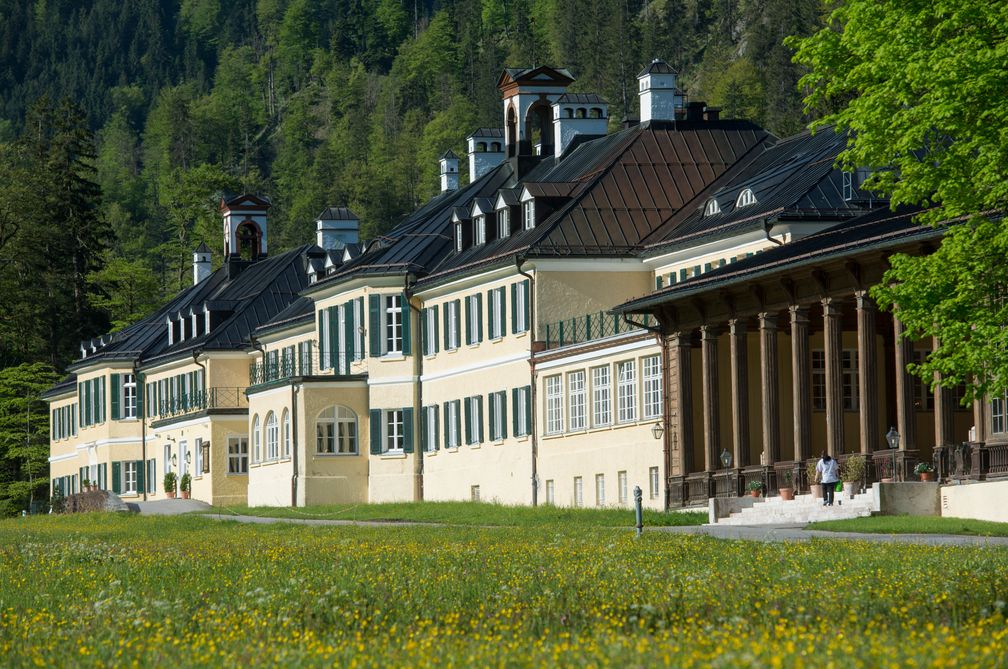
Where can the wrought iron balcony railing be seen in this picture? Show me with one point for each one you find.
(589, 327)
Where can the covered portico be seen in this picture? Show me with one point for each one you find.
(784, 355)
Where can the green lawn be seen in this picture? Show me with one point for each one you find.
(914, 525)
(477, 513)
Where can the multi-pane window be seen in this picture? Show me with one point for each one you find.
(653, 482)
(452, 325)
(550, 491)
(528, 214)
(272, 437)
(651, 379)
(819, 380)
(578, 492)
(626, 391)
(336, 432)
(430, 428)
(451, 416)
(394, 434)
(430, 331)
(554, 404)
(130, 476)
(922, 393)
(600, 490)
(520, 309)
(129, 396)
(576, 401)
(393, 323)
(621, 483)
(849, 372)
(286, 434)
(601, 396)
(496, 313)
(522, 415)
(474, 493)
(474, 419)
(999, 423)
(474, 319)
(498, 416)
(198, 452)
(480, 230)
(458, 237)
(237, 455)
(503, 225)
(256, 440)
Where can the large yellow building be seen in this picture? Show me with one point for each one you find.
(473, 352)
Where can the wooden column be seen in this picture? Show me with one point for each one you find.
(801, 388)
(682, 407)
(943, 400)
(769, 387)
(905, 423)
(712, 432)
(834, 376)
(981, 419)
(867, 380)
(740, 390)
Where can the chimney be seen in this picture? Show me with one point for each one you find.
(486, 151)
(712, 114)
(659, 95)
(695, 111)
(449, 163)
(578, 114)
(336, 227)
(200, 263)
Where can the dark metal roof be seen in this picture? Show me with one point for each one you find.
(530, 74)
(301, 310)
(657, 66)
(202, 248)
(878, 229)
(486, 132)
(337, 214)
(581, 99)
(449, 155)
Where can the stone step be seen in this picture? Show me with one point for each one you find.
(801, 510)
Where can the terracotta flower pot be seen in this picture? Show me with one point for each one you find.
(787, 494)
(171, 494)
(927, 476)
(754, 493)
(849, 489)
(817, 490)
(185, 494)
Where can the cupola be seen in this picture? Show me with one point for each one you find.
(244, 230)
(449, 164)
(486, 151)
(336, 227)
(660, 97)
(576, 114)
(201, 263)
(528, 93)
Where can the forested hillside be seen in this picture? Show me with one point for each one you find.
(312, 102)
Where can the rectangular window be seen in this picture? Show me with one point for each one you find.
(653, 480)
(474, 319)
(998, 422)
(922, 393)
(522, 417)
(393, 324)
(237, 455)
(576, 400)
(198, 451)
(480, 224)
(520, 306)
(626, 391)
(474, 493)
(503, 226)
(600, 490)
(452, 424)
(184, 458)
(849, 373)
(550, 492)
(474, 419)
(601, 397)
(129, 409)
(394, 434)
(578, 492)
(621, 483)
(496, 313)
(848, 186)
(431, 429)
(528, 214)
(130, 476)
(458, 237)
(554, 405)
(498, 416)
(325, 437)
(452, 325)
(819, 380)
(430, 331)
(651, 378)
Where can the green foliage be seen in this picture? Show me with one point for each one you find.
(24, 436)
(915, 525)
(853, 469)
(127, 290)
(170, 481)
(922, 86)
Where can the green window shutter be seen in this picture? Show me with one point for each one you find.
(349, 329)
(141, 408)
(503, 310)
(116, 394)
(491, 316)
(503, 428)
(444, 315)
(117, 477)
(374, 325)
(407, 320)
(479, 317)
(425, 344)
(514, 308)
(101, 394)
(424, 436)
(527, 392)
(320, 338)
(468, 327)
(658, 282)
(333, 342)
(468, 421)
(375, 432)
(447, 427)
(86, 405)
(80, 404)
(140, 483)
(514, 410)
(437, 431)
(407, 415)
(527, 307)
(479, 419)
(437, 332)
(493, 417)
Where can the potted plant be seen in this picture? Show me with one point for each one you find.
(169, 484)
(85, 485)
(814, 487)
(185, 485)
(925, 470)
(787, 490)
(755, 488)
(852, 474)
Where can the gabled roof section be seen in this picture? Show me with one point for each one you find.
(542, 75)
(486, 132)
(581, 99)
(300, 311)
(657, 66)
(244, 201)
(337, 214)
(448, 155)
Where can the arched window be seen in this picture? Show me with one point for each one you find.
(745, 198)
(580, 112)
(272, 437)
(595, 113)
(249, 240)
(336, 432)
(256, 440)
(495, 147)
(712, 208)
(480, 147)
(286, 434)
(568, 113)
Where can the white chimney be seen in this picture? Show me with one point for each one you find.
(486, 151)
(449, 164)
(336, 227)
(659, 95)
(578, 114)
(201, 263)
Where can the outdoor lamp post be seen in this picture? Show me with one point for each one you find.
(893, 437)
(726, 458)
(657, 430)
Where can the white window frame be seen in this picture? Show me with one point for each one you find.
(554, 404)
(393, 431)
(272, 429)
(522, 411)
(475, 420)
(430, 330)
(521, 325)
(576, 398)
(498, 416)
(651, 381)
(183, 452)
(452, 421)
(454, 339)
(336, 431)
(626, 391)
(999, 423)
(256, 439)
(392, 330)
(474, 493)
(286, 422)
(745, 198)
(129, 396)
(503, 223)
(497, 305)
(848, 186)
(712, 207)
(432, 429)
(578, 492)
(479, 230)
(653, 482)
(473, 316)
(238, 456)
(601, 396)
(528, 214)
(550, 491)
(621, 485)
(458, 237)
(600, 490)
(198, 451)
(130, 477)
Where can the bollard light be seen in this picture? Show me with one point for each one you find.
(637, 497)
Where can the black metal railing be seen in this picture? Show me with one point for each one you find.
(589, 328)
(201, 400)
(282, 368)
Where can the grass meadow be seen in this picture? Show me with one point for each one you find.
(99, 590)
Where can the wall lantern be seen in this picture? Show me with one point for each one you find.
(657, 430)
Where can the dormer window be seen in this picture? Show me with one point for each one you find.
(848, 186)
(528, 214)
(503, 223)
(712, 208)
(745, 198)
(458, 237)
(480, 230)
(171, 331)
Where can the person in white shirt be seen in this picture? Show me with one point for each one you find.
(828, 471)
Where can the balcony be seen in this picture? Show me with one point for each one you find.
(222, 399)
(590, 327)
(285, 368)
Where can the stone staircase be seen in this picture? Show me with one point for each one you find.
(801, 510)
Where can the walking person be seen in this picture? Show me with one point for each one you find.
(829, 473)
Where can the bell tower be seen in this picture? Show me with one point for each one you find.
(529, 94)
(244, 230)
